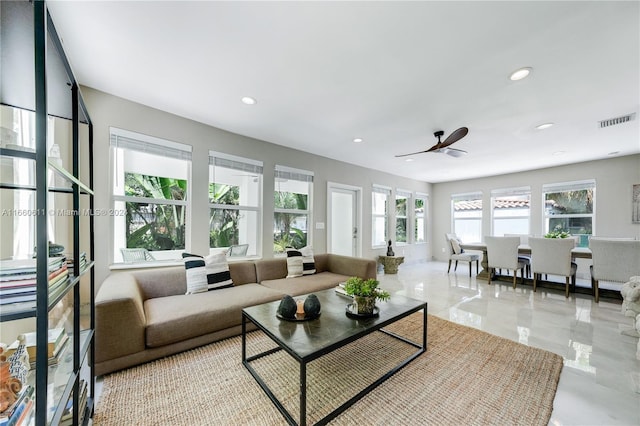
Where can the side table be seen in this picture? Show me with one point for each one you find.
(391, 263)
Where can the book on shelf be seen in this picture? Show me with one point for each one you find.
(67, 414)
(56, 339)
(17, 267)
(20, 409)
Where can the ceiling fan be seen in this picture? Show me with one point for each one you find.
(443, 146)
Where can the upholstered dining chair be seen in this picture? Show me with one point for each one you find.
(553, 256)
(613, 260)
(502, 253)
(456, 253)
(524, 258)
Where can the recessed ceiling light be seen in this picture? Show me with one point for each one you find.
(358, 140)
(544, 126)
(520, 73)
(614, 153)
(248, 100)
(408, 160)
(559, 152)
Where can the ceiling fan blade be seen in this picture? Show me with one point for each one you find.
(455, 136)
(413, 153)
(454, 152)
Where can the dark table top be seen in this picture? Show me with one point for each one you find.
(333, 328)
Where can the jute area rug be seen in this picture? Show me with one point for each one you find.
(466, 377)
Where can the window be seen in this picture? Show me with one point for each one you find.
(467, 216)
(510, 210)
(292, 211)
(379, 211)
(235, 202)
(569, 207)
(150, 193)
(403, 200)
(420, 218)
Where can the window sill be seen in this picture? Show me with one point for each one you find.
(143, 265)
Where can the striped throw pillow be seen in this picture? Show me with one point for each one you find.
(217, 267)
(205, 274)
(300, 262)
(194, 267)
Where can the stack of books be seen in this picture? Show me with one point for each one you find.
(82, 263)
(21, 411)
(18, 279)
(67, 414)
(57, 340)
(341, 291)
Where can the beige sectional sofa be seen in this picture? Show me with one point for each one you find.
(145, 315)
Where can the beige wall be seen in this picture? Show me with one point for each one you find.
(107, 110)
(614, 179)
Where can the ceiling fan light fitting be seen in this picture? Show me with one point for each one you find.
(358, 140)
(544, 126)
(521, 73)
(248, 100)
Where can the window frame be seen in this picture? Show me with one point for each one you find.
(425, 202)
(379, 189)
(300, 175)
(408, 196)
(477, 195)
(240, 164)
(510, 192)
(145, 144)
(553, 188)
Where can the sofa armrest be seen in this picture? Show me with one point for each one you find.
(352, 266)
(120, 319)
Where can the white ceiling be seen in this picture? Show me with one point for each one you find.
(391, 73)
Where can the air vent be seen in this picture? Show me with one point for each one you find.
(617, 120)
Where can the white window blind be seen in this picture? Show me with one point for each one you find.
(467, 196)
(148, 144)
(507, 192)
(283, 172)
(569, 186)
(235, 163)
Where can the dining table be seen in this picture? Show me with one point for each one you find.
(576, 253)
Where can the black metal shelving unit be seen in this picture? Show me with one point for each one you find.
(52, 84)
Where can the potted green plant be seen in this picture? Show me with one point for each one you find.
(365, 293)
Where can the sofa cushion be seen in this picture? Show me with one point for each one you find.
(306, 284)
(176, 318)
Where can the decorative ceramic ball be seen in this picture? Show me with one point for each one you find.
(311, 305)
(287, 307)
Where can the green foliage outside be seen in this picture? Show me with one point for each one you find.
(223, 223)
(155, 226)
(285, 234)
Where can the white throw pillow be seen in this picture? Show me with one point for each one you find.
(194, 267)
(455, 244)
(217, 269)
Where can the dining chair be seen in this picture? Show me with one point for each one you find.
(502, 253)
(553, 256)
(524, 258)
(458, 254)
(613, 260)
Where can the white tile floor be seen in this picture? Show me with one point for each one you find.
(600, 380)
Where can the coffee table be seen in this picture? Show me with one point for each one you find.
(332, 330)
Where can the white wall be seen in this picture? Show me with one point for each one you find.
(107, 110)
(613, 201)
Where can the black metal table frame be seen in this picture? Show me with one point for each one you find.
(303, 361)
